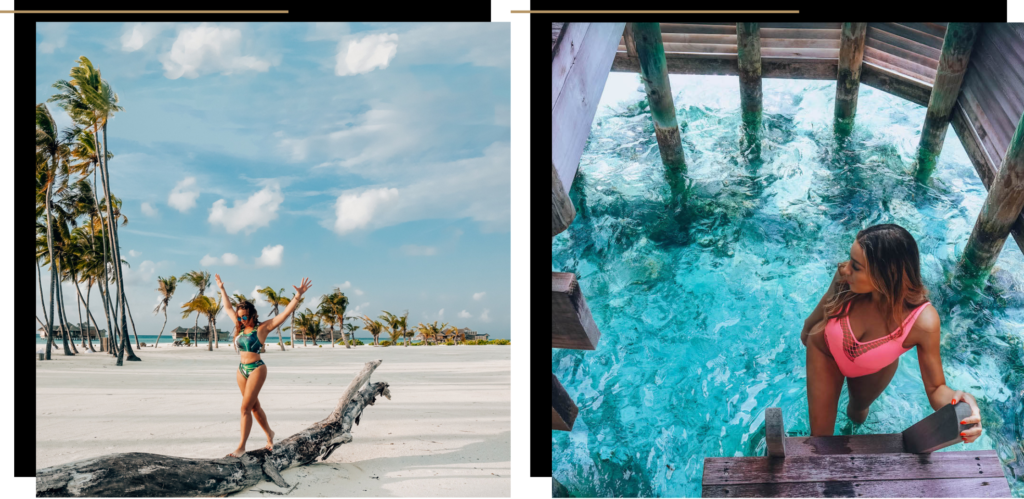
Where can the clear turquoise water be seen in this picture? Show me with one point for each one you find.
(700, 291)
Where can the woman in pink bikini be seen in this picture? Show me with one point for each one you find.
(875, 310)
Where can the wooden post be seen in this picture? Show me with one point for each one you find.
(563, 409)
(851, 57)
(627, 36)
(774, 432)
(748, 59)
(654, 73)
(1002, 206)
(562, 210)
(956, 51)
(572, 326)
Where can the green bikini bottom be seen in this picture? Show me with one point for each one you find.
(247, 369)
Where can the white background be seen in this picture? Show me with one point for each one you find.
(522, 484)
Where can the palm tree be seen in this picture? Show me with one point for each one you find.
(374, 327)
(90, 101)
(212, 309)
(203, 305)
(48, 153)
(201, 280)
(274, 297)
(402, 323)
(335, 303)
(351, 328)
(394, 325)
(166, 288)
(456, 334)
(292, 322)
(327, 317)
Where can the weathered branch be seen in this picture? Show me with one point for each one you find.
(154, 475)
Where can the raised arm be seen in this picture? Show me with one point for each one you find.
(818, 314)
(229, 306)
(926, 336)
(299, 290)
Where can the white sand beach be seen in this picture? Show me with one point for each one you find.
(445, 431)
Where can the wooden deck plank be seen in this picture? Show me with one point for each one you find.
(824, 34)
(876, 33)
(917, 37)
(944, 487)
(886, 443)
(903, 53)
(869, 467)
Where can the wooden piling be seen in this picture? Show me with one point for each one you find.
(748, 60)
(562, 210)
(563, 409)
(851, 57)
(654, 73)
(956, 52)
(1002, 206)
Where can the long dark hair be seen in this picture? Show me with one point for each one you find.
(895, 266)
(249, 310)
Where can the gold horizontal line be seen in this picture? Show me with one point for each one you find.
(143, 11)
(655, 11)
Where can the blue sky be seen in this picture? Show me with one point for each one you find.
(373, 157)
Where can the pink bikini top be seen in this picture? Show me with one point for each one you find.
(859, 359)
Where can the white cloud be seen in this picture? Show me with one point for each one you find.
(251, 214)
(479, 296)
(484, 316)
(149, 210)
(465, 315)
(137, 35)
(440, 314)
(143, 274)
(366, 54)
(257, 299)
(207, 49)
(225, 259)
(133, 253)
(360, 309)
(479, 44)
(356, 210)
(415, 250)
(327, 31)
(183, 195)
(480, 185)
(358, 292)
(271, 256)
(55, 36)
(344, 285)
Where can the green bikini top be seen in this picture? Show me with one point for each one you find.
(249, 342)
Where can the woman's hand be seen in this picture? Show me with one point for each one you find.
(971, 434)
(220, 284)
(302, 288)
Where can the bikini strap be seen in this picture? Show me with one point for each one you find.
(911, 319)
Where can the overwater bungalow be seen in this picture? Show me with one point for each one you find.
(200, 333)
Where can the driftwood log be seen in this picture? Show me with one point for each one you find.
(136, 474)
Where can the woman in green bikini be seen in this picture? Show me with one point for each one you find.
(250, 334)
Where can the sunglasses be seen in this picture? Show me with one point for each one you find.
(243, 318)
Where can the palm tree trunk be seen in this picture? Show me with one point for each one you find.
(88, 314)
(344, 335)
(291, 334)
(69, 344)
(209, 333)
(103, 280)
(42, 295)
(54, 269)
(130, 318)
(161, 327)
(280, 342)
(78, 302)
(116, 254)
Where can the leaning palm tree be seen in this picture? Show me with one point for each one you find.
(201, 280)
(166, 289)
(327, 316)
(374, 327)
(402, 324)
(90, 101)
(275, 299)
(203, 305)
(48, 161)
(213, 308)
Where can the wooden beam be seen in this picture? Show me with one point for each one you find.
(956, 51)
(851, 57)
(894, 83)
(572, 326)
(1002, 209)
(748, 62)
(774, 429)
(654, 73)
(580, 63)
(627, 36)
(983, 164)
(563, 409)
(562, 210)
(933, 487)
